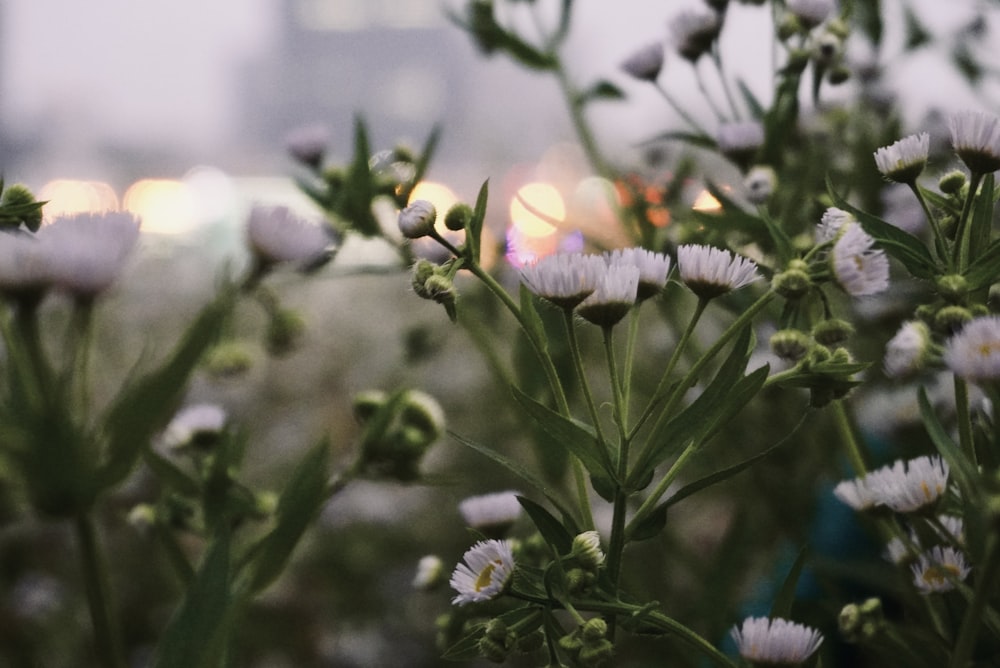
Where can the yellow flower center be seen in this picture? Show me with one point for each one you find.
(486, 575)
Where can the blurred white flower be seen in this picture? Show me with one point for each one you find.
(974, 353)
(653, 269)
(614, 296)
(24, 264)
(860, 269)
(565, 279)
(430, 571)
(856, 493)
(908, 486)
(694, 32)
(197, 424)
(938, 569)
(906, 353)
(811, 13)
(646, 63)
(760, 183)
(492, 514)
(86, 252)
(485, 570)
(831, 222)
(308, 144)
(775, 641)
(276, 234)
(975, 136)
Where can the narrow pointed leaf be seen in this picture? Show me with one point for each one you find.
(782, 605)
(552, 530)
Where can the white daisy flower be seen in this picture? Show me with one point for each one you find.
(87, 251)
(197, 425)
(485, 570)
(906, 487)
(417, 220)
(975, 136)
(24, 264)
(564, 279)
(760, 183)
(308, 143)
(709, 272)
(694, 32)
(906, 353)
(974, 353)
(938, 569)
(276, 234)
(830, 223)
(898, 552)
(811, 13)
(904, 160)
(775, 641)
(954, 528)
(653, 269)
(856, 493)
(491, 514)
(615, 294)
(859, 268)
(646, 63)
(430, 570)
(740, 140)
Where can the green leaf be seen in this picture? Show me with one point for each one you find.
(651, 525)
(196, 635)
(916, 34)
(982, 219)
(757, 110)
(576, 437)
(958, 465)
(300, 503)
(782, 605)
(474, 232)
(519, 471)
(146, 405)
(901, 245)
(355, 203)
(552, 530)
(985, 270)
(525, 53)
(602, 90)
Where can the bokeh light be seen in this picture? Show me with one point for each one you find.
(438, 194)
(546, 208)
(706, 203)
(68, 196)
(165, 206)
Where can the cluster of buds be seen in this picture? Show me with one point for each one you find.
(588, 644)
(861, 622)
(398, 430)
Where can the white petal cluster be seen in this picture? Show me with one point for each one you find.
(417, 220)
(811, 12)
(276, 234)
(87, 251)
(860, 269)
(614, 295)
(975, 136)
(653, 268)
(938, 569)
(830, 223)
(974, 353)
(499, 509)
(775, 641)
(906, 353)
(694, 31)
(308, 143)
(564, 279)
(760, 183)
(904, 160)
(646, 63)
(430, 570)
(24, 263)
(192, 423)
(710, 272)
(485, 570)
(903, 486)
(739, 136)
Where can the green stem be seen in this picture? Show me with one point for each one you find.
(617, 542)
(695, 125)
(95, 576)
(963, 232)
(700, 80)
(661, 488)
(940, 243)
(633, 333)
(574, 346)
(717, 61)
(847, 435)
(964, 418)
(78, 368)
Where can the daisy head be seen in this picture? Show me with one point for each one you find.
(938, 569)
(830, 223)
(856, 493)
(565, 279)
(484, 572)
(275, 234)
(907, 352)
(811, 13)
(198, 426)
(491, 514)
(974, 353)
(694, 32)
(710, 272)
(653, 269)
(646, 63)
(775, 641)
(904, 160)
(975, 136)
(860, 268)
(740, 140)
(907, 487)
(613, 298)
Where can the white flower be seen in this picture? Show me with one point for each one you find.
(87, 251)
(710, 272)
(694, 32)
(859, 268)
(430, 569)
(485, 570)
(198, 424)
(564, 279)
(24, 264)
(938, 569)
(954, 528)
(975, 136)
(646, 63)
(653, 269)
(275, 234)
(740, 140)
(417, 220)
(906, 353)
(856, 493)
(615, 294)
(831, 222)
(775, 641)
(974, 353)
(587, 549)
(906, 487)
(491, 514)
(760, 183)
(897, 551)
(905, 159)
(308, 143)
(811, 13)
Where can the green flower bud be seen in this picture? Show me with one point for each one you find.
(579, 581)
(587, 550)
(593, 630)
(828, 49)
(284, 332)
(789, 27)
(142, 517)
(832, 332)
(265, 504)
(953, 288)
(228, 360)
(838, 75)
(790, 344)
(424, 413)
(532, 642)
(458, 216)
(493, 650)
(367, 403)
(950, 319)
(599, 655)
(952, 182)
(496, 629)
(440, 288)
(794, 282)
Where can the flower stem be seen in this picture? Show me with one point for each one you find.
(661, 488)
(940, 244)
(964, 420)
(695, 125)
(574, 346)
(96, 583)
(963, 232)
(617, 542)
(847, 435)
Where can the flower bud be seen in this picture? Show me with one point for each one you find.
(367, 403)
(790, 344)
(417, 220)
(423, 413)
(953, 288)
(760, 183)
(440, 288)
(230, 359)
(838, 75)
(599, 655)
(594, 629)
(579, 581)
(828, 49)
(29, 211)
(430, 573)
(952, 182)
(951, 319)
(458, 217)
(142, 517)
(793, 283)
(587, 550)
(284, 332)
(832, 332)
(789, 27)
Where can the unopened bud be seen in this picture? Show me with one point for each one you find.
(367, 403)
(953, 288)
(832, 332)
(423, 413)
(457, 217)
(951, 319)
(587, 550)
(952, 182)
(794, 282)
(790, 344)
(417, 220)
(284, 332)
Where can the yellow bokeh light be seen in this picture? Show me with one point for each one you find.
(165, 206)
(438, 194)
(69, 196)
(546, 207)
(707, 203)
